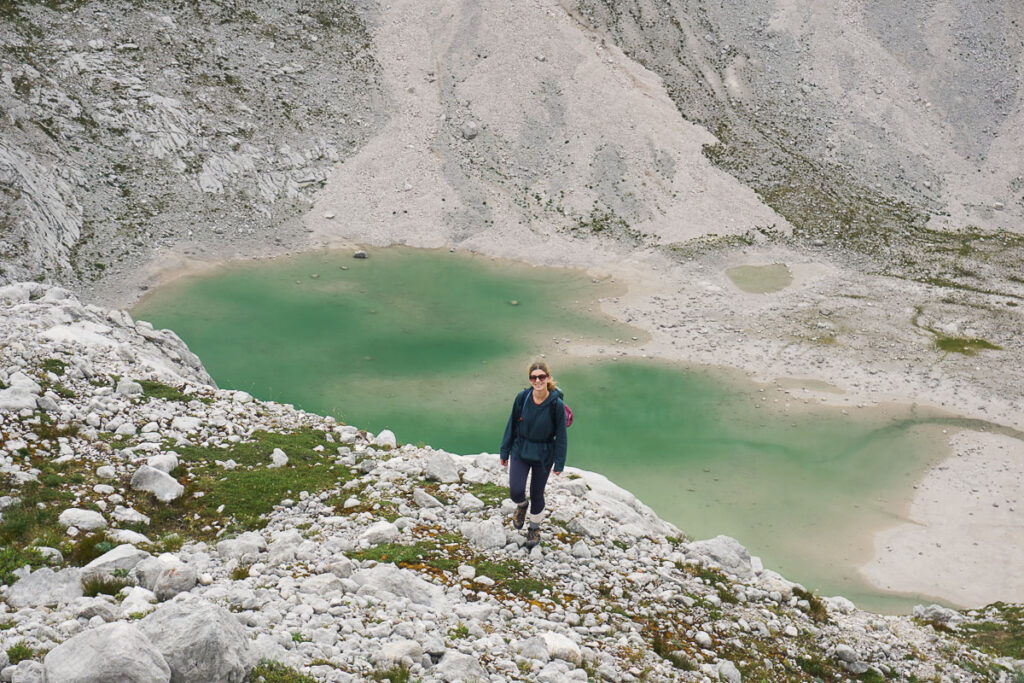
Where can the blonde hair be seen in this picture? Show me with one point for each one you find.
(541, 365)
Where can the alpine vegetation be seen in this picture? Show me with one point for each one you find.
(157, 528)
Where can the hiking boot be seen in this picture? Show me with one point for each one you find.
(519, 516)
(532, 538)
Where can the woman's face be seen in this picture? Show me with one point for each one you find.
(538, 378)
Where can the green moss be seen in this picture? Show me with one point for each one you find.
(458, 632)
(968, 347)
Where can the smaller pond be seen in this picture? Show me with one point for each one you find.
(435, 345)
(761, 279)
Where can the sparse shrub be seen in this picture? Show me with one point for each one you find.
(54, 365)
(154, 389)
(458, 632)
(12, 558)
(275, 672)
(818, 612)
(396, 674)
(19, 652)
(106, 585)
(240, 572)
(88, 548)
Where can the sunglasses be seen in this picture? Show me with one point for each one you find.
(538, 378)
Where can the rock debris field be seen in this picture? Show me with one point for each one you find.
(156, 528)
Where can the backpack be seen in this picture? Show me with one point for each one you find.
(568, 410)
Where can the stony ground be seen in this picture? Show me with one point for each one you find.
(150, 514)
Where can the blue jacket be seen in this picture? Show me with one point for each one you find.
(536, 433)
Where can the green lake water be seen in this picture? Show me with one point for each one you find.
(435, 345)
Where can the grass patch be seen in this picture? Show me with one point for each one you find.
(417, 554)
(240, 572)
(276, 672)
(7, 625)
(54, 365)
(88, 548)
(20, 652)
(1002, 634)
(459, 632)
(249, 492)
(12, 558)
(967, 347)
(490, 494)
(153, 389)
(104, 585)
(396, 674)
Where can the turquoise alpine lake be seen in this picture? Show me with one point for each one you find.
(434, 345)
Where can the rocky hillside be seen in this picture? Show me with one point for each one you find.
(130, 126)
(157, 528)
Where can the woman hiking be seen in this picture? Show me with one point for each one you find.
(533, 445)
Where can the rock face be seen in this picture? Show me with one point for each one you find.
(112, 652)
(189, 153)
(727, 553)
(199, 641)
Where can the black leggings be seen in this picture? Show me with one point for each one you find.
(517, 471)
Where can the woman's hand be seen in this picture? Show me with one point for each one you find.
(504, 463)
(558, 473)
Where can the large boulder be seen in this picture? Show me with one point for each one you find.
(20, 393)
(441, 467)
(160, 484)
(45, 587)
(487, 534)
(249, 543)
(112, 652)
(199, 641)
(727, 553)
(124, 556)
(166, 576)
(401, 582)
(455, 666)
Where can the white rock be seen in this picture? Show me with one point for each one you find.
(424, 499)
(278, 458)
(127, 387)
(82, 519)
(470, 502)
(846, 653)
(241, 397)
(187, 424)
(160, 484)
(127, 515)
(455, 666)
(441, 467)
(200, 641)
(704, 640)
(394, 652)
(727, 553)
(728, 672)
(403, 583)
(386, 438)
(127, 536)
(124, 556)
(165, 462)
(487, 534)
(561, 647)
(112, 652)
(45, 587)
(380, 532)
(138, 600)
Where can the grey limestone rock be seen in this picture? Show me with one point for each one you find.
(456, 666)
(45, 587)
(487, 534)
(113, 652)
(82, 519)
(727, 553)
(173, 579)
(160, 484)
(249, 543)
(124, 556)
(199, 641)
(440, 467)
(728, 672)
(380, 532)
(424, 499)
(401, 582)
(127, 387)
(29, 671)
(165, 462)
